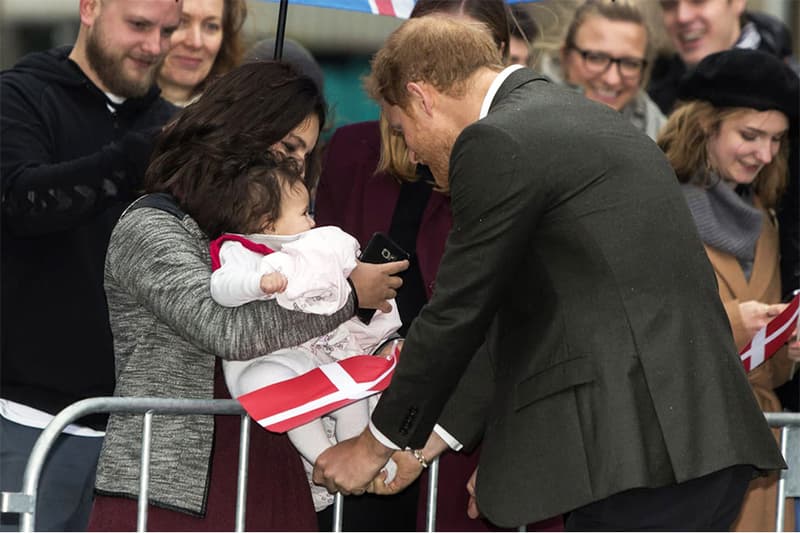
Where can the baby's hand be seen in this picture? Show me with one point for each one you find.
(273, 282)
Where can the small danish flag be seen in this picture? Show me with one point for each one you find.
(771, 337)
(291, 403)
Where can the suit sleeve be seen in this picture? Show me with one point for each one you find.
(464, 415)
(496, 205)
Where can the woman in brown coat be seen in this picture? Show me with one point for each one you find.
(728, 143)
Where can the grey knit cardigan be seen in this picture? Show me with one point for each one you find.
(167, 332)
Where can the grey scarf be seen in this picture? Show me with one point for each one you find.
(725, 220)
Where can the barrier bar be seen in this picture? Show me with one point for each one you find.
(144, 473)
(781, 496)
(338, 511)
(241, 479)
(24, 502)
(433, 495)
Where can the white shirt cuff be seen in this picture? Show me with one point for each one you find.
(448, 438)
(380, 437)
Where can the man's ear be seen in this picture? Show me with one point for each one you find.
(89, 10)
(421, 94)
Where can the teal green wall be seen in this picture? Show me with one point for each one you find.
(347, 101)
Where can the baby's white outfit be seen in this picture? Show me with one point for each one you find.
(316, 264)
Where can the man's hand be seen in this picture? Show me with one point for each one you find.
(408, 467)
(408, 470)
(377, 283)
(351, 465)
(472, 505)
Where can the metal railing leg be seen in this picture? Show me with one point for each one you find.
(433, 495)
(241, 486)
(144, 479)
(338, 512)
(779, 515)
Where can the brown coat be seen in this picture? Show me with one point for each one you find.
(758, 511)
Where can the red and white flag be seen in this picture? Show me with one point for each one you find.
(288, 404)
(393, 8)
(771, 337)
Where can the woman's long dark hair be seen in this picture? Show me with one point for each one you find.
(241, 115)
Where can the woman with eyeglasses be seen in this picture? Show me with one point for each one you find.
(605, 54)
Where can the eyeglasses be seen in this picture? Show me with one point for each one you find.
(598, 63)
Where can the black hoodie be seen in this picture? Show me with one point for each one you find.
(68, 166)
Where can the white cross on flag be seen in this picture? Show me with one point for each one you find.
(771, 337)
(288, 404)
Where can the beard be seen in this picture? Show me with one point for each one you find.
(437, 157)
(110, 69)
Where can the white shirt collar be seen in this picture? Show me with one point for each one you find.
(494, 87)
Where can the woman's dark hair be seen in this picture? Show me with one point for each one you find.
(234, 13)
(493, 13)
(240, 116)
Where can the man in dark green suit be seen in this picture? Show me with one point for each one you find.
(608, 386)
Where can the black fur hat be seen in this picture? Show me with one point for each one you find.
(744, 78)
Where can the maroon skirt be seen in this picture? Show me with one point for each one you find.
(278, 496)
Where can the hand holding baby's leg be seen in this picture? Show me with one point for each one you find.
(351, 421)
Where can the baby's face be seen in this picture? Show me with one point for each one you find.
(294, 217)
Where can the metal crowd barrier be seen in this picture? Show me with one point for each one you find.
(24, 502)
(789, 482)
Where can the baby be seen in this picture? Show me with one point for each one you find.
(278, 254)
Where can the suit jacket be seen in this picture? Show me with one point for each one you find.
(764, 285)
(610, 363)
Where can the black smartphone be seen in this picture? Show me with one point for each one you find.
(380, 249)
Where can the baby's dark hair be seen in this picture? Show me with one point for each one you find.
(267, 181)
(252, 189)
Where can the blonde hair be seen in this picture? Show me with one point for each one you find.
(434, 49)
(394, 154)
(685, 137)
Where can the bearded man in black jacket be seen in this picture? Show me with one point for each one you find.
(77, 130)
